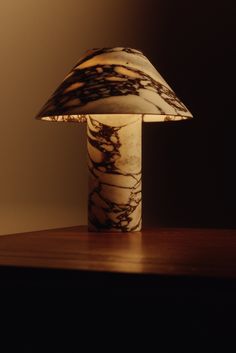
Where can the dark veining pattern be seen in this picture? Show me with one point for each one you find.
(105, 213)
(98, 51)
(103, 81)
(84, 85)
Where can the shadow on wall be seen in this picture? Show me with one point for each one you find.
(188, 170)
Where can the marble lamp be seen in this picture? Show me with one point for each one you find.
(114, 90)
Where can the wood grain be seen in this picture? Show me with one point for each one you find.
(185, 252)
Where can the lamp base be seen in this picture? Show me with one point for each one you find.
(115, 178)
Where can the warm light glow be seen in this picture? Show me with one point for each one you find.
(83, 118)
(114, 81)
(65, 118)
(114, 90)
(147, 118)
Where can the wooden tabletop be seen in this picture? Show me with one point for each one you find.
(160, 251)
(175, 283)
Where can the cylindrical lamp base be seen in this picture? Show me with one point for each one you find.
(115, 178)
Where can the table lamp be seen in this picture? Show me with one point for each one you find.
(114, 90)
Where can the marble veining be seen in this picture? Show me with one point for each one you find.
(110, 81)
(114, 90)
(114, 159)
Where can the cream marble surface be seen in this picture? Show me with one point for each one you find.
(114, 159)
(114, 90)
(110, 81)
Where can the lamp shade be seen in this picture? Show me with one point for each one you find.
(113, 81)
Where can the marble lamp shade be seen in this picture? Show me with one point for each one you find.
(114, 90)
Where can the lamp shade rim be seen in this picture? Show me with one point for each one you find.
(82, 118)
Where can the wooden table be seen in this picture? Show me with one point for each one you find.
(177, 282)
(152, 255)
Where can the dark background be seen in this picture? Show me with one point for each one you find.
(188, 166)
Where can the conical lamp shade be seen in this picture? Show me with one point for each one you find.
(114, 81)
